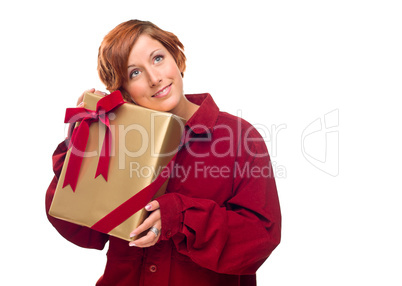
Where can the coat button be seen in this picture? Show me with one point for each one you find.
(168, 234)
(153, 268)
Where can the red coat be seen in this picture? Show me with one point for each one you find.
(220, 214)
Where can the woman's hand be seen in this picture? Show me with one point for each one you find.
(80, 103)
(154, 220)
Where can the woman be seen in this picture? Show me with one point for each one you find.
(220, 217)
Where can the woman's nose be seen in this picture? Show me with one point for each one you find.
(154, 77)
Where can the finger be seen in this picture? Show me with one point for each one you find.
(146, 241)
(82, 95)
(153, 219)
(98, 92)
(154, 205)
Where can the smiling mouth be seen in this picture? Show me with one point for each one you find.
(163, 92)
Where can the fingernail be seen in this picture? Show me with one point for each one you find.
(132, 235)
(81, 104)
(132, 244)
(148, 207)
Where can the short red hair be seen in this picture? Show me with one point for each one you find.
(117, 44)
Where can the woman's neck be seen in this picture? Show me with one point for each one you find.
(185, 109)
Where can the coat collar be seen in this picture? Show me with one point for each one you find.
(204, 119)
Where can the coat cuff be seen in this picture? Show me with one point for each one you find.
(171, 215)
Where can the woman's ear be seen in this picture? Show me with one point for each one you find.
(181, 69)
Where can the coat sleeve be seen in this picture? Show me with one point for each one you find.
(79, 235)
(235, 238)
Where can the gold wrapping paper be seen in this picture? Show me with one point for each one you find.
(143, 142)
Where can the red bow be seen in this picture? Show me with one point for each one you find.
(80, 135)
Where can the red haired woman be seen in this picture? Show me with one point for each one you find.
(220, 218)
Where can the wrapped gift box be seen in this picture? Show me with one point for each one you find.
(142, 143)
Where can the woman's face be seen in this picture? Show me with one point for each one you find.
(154, 80)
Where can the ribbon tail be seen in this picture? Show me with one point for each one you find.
(78, 146)
(104, 157)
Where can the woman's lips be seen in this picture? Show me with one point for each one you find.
(163, 92)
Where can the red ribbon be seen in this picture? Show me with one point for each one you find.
(134, 203)
(80, 135)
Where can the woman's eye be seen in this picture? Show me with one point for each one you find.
(158, 59)
(134, 73)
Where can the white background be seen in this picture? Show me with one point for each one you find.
(277, 63)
